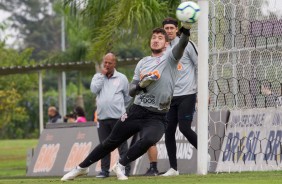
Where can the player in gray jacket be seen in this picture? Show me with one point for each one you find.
(153, 85)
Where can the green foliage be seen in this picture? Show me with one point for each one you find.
(113, 21)
(71, 90)
(14, 93)
(13, 156)
(127, 72)
(130, 48)
(125, 18)
(89, 104)
(10, 57)
(77, 37)
(8, 107)
(39, 28)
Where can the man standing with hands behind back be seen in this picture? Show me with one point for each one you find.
(112, 90)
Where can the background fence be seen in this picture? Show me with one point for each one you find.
(245, 72)
(245, 53)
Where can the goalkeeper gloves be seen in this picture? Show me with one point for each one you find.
(185, 29)
(146, 81)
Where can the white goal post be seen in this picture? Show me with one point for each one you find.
(203, 91)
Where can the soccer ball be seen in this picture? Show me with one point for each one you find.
(188, 12)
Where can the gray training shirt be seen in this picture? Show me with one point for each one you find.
(159, 93)
(112, 95)
(186, 82)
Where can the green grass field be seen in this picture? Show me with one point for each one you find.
(238, 178)
(13, 156)
(13, 168)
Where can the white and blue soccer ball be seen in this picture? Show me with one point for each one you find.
(188, 12)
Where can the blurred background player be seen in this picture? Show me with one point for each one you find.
(80, 115)
(70, 118)
(54, 116)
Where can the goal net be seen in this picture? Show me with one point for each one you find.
(245, 80)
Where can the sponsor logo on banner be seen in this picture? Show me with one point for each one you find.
(78, 153)
(252, 141)
(46, 158)
(61, 149)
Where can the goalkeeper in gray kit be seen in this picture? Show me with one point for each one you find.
(152, 86)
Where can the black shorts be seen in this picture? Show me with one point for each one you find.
(182, 108)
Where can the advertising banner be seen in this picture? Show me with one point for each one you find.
(252, 141)
(186, 153)
(61, 147)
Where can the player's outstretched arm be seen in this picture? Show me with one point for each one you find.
(178, 50)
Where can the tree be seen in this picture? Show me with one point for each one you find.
(38, 25)
(113, 20)
(8, 107)
(77, 37)
(15, 91)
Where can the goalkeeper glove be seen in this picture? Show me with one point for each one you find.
(147, 80)
(185, 29)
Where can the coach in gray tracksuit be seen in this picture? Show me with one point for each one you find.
(111, 88)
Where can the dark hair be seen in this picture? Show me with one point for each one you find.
(170, 20)
(162, 31)
(71, 115)
(79, 111)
